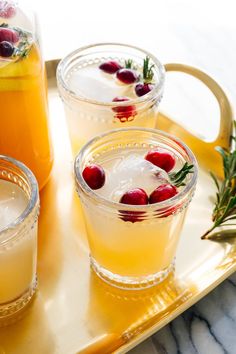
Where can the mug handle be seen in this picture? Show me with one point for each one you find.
(205, 152)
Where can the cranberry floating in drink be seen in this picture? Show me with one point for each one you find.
(127, 76)
(163, 192)
(6, 49)
(135, 217)
(161, 158)
(143, 89)
(110, 67)
(9, 35)
(124, 113)
(94, 176)
(135, 197)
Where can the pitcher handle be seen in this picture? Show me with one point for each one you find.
(204, 151)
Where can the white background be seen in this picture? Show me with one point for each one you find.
(199, 33)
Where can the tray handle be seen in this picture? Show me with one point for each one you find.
(204, 151)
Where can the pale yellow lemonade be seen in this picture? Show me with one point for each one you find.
(17, 257)
(90, 94)
(132, 241)
(127, 248)
(86, 121)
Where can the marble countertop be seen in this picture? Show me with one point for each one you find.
(207, 327)
(200, 33)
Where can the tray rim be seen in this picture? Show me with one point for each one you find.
(177, 312)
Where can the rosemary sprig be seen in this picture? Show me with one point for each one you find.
(224, 213)
(24, 45)
(147, 70)
(129, 64)
(177, 178)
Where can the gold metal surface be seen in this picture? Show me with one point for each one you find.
(205, 151)
(74, 311)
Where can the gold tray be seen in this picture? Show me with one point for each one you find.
(74, 311)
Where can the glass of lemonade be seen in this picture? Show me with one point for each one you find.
(135, 185)
(24, 131)
(19, 208)
(108, 86)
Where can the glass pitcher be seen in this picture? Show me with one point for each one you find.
(24, 131)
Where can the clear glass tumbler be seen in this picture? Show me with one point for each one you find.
(89, 108)
(133, 246)
(19, 209)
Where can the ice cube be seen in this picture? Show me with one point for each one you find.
(90, 82)
(133, 171)
(12, 202)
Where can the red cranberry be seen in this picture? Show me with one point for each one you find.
(163, 192)
(110, 67)
(132, 216)
(120, 99)
(7, 9)
(161, 158)
(6, 49)
(94, 176)
(124, 113)
(135, 196)
(9, 35)
(127, 76)
(143, 89)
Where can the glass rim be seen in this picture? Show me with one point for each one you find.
(128, 207)
(155, 92)
(31, 179)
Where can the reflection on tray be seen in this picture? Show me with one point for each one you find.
(136, 310)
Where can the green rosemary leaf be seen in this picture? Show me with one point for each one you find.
(221, 236)
(129, 64)
(225, 204)
(215, 180)
(232, 217)
(148, 72)
(177, 178)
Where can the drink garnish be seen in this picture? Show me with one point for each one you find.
(94, 176)
(147, 85)
(127, 76)
(9, 35)
(177, 178)
(163, 192)
(124, 113)
(110, 67)
(161, 158)
(135, 196)
(147, 70)
(6, 49)
(142, 89)
(22, 48)
(224, 213)
(129, 64)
